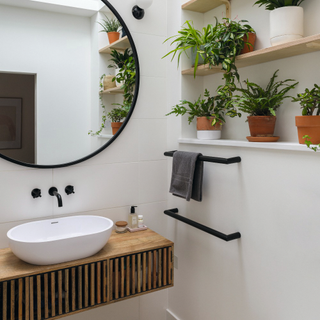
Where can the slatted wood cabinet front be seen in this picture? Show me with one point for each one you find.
(69, 288)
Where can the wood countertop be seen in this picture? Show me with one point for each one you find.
(118, 245)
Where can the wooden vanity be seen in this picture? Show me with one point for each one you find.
(129, 265)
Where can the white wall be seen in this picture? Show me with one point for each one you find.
(271, 197)
(132, 171)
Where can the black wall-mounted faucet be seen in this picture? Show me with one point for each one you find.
(53, 191)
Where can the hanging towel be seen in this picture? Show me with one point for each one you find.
(187, 174)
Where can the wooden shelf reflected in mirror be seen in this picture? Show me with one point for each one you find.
(119, 45)
(115, 90)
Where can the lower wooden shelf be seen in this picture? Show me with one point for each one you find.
(129, 265)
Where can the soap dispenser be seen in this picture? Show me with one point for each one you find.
(133, 218)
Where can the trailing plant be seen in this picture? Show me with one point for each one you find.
(309, 101)
(119, 58)
(109, 25)
(226, 43)
(307, 141)
(216, 45)
(127, 76)
(257, 101)
(103, 107)
(190, 38)
(274, 4)
(203, 107)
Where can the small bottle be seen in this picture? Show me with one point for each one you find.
(140, 221)
(133, 218)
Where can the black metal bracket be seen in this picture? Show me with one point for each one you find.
(210, 159)
(226, 237)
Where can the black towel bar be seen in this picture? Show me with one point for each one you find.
(226, 237)
(210, 159)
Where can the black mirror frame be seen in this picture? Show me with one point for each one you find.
(135, 97)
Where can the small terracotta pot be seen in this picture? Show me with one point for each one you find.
(205, 131)
(262, 126)
(115, 127)
(205, 124)
(308, 125)
(113, 36)
(252, 40)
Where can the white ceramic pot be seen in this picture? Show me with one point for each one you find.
(208, 134)
(286, 24)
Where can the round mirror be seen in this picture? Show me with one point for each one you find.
(68, 75)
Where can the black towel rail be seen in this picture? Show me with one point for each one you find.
(210, 159)
(226, 237)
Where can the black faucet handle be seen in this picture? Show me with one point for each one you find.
(69, 189)
(36, 193)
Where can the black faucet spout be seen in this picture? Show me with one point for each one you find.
(54, 192)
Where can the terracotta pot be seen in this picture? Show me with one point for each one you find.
(115, 127)
(113, 36)
(261, 126)
(252, 40)
(308, 125)
(205, 131)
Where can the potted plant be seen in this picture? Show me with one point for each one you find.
(111, 26)
(191, 40)
(118, 61)
(308, 124)
(209, 112)
(286, 20)
(215, 45)
(116, 116)
(261, 105)
(229, 38)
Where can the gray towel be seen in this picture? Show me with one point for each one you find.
(187, 173)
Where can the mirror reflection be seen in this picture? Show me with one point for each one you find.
(67, 76)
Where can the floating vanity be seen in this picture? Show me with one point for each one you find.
(129, 265)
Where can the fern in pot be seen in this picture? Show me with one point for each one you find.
(261, 105)
(209, 112)
(308, 124)
(286, 20)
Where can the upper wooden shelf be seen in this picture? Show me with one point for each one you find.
(294, 48)
(203, 6)
(119, 45)
(115, 90)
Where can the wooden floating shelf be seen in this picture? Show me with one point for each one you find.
(119, 45)
(129, 265)
(294, 48)
(115, 90)
(203, 6)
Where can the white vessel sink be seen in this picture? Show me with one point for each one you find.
(59, 240)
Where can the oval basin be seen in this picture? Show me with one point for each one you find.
(59, 240)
